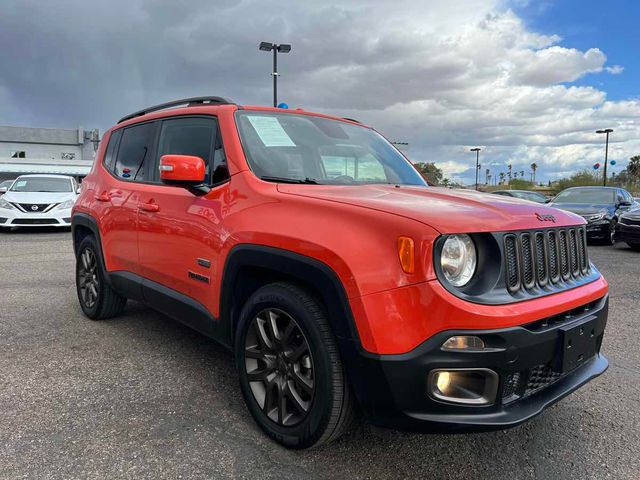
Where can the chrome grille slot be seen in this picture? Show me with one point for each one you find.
(528, 278)
(564, 255)
(573, 253)
(541, 260)
(512, 262)
(553, 257)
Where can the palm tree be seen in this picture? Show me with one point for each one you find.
(634, 167)
(487, 174)
(501, 177)
(534, 167)
(510, 167)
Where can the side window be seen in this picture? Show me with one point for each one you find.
(199, 137)
(133, 162)
(110, 154)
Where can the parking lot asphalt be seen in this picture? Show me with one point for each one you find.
(142, 396)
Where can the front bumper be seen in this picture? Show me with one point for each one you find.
(393, 390)
(16, 218)
(599, 229)
(628, 233)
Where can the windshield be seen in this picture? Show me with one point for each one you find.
(587, 195)
(41, 184)
(532, 196)
(6, 184)
(307, 149)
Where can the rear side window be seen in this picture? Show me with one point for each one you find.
(133, 161)
(198, 137)
(110, 154)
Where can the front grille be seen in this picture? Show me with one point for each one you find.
(523, 384)
(537, 259)
(33, 207)
(34, 221)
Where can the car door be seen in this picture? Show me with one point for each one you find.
(127, 159)
(180, 233)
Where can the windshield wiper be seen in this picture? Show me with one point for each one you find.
(306, 180)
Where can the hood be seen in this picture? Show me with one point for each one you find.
(38, 197)
(582, 208)
(448, 211)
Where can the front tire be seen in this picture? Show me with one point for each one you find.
(97, 299)
(291, 374)
(610, 239)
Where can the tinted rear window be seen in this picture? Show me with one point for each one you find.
(134, 160)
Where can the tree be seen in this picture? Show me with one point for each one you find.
(633, 168)
(534, 167)
(430, 172)
(501, 177)
(510, 167)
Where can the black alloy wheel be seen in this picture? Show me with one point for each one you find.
(289, 366)
(279, 367)
(97, 298)
(88, 283)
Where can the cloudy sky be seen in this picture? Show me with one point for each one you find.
(526, 81)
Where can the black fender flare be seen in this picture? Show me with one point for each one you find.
(308, 270)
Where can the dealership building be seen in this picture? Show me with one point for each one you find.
(46, 150)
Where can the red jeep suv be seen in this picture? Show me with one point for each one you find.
(311, 248)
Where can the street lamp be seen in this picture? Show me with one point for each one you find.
(477, 150)
(282, 48)
(606, 153)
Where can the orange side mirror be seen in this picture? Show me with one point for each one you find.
(182, 169)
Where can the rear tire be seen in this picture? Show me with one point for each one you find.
(291, 374)
(97, 299)
(634, 246)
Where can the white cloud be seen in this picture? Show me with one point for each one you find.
(441, 75)
(615, 69)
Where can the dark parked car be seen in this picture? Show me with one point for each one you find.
(601, 207)
(628, 228)
(523, 194)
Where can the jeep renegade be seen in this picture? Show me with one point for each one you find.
(315, 251)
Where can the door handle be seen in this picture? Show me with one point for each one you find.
(149, 207)
(103, 197)
(106, 197)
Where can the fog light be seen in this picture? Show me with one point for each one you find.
(464, 342)
(469, 386)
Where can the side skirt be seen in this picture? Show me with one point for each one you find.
(167, 301)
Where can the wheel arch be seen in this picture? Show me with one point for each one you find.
(250, 266)
(83, 225)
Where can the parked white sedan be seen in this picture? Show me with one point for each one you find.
(38, 200)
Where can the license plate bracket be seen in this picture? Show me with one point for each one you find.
(579, 343)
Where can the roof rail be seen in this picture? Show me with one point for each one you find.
(185, 101)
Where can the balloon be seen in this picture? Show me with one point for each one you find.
(596, 166)
(283, 105)
(613, 162)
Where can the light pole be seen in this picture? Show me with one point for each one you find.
(282, 48)
(477, 150)
(606, 153)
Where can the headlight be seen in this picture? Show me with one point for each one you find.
(458, 259)
(5, 204)
(595, 216)
(66, 204)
